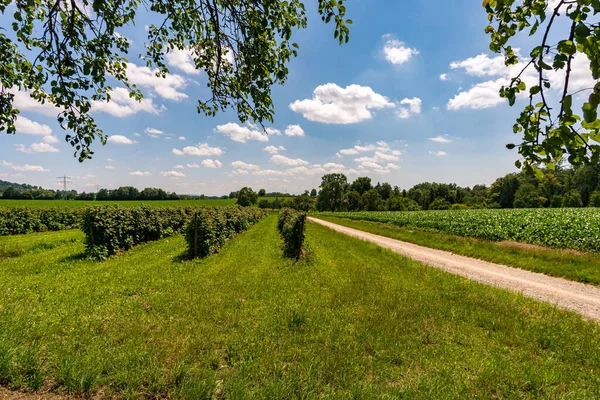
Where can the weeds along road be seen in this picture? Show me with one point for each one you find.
(578, 297)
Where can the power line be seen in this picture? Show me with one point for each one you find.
(64, 180)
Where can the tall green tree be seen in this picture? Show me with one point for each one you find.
(67, 52)
(246, 197)
(331, 197)
(551, 131)
(361, 185)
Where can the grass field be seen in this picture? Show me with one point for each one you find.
(352, 321)
(133, 203)
(577, 266)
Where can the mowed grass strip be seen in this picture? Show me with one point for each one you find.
(353, 320)
(569, 264)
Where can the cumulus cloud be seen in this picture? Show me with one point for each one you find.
(181, 138)
(121, 105)
(409, 107)
(120, 139)
(444, 77)
(153, 132)
(36, 148)
(202, 150)
(245, 166)
(332, 104)
(396, 51)
(182, 60)
(482, 95)
(179, 167)
(282, 160)
(24, 168)
(24, 102)
(193, 165)
(274, 149)
(273, 131)
(50, 139)
(173, 174)
(167, 88)
(208, 163)
(438, 153)
(29, 127)
(242, 134)
(140, 173)
(481, 65)
(294, 130)
(441, 139)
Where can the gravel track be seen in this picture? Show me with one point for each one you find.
(578, 297)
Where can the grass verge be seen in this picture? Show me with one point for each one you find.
(568, 264)
(353, 321)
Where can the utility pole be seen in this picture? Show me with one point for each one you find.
(64, 180)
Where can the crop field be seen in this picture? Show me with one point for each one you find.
(349, 320)
(570, 228)
(131, 203)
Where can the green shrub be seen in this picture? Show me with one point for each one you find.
(291, 225)
(23, 220)
(110, 229)
(209, 228)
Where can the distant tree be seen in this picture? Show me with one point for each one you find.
(262, 193)
(233, 195)
(264, 203)
(572, 199)
(585, 181)
(11, 193)
(385, 190)
(503, 190)
(400, 203)
(246, 197)
(313, 193)
(302, 203)
(27, 195)
(439, 204)
(331, 196)
(528, 196)
(594, 199)
(361, 185)
(371, 200)
(353, 201)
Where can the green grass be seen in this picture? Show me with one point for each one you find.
(568, 264)
(133, 203)
(353, 321)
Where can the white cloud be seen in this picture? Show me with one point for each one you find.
(245, 166)
(396, 51)
(24, 102)
(274, 149)
(482, 95)
(392, 166)
(24, 168)
(120, 139)
(377, 158)
(203, 149)
(181, 137)
(109, 167)
(444, 77)
(167, 88)
(332, 104)
(121, 105)
(29, 127)
(282, 160)
(438, 153)
(273, 131)
(137, 134)
(182, 60)
(50, 139)
(240, 172)
(242, 134)
(294, 130)
(482, 65)
(179, 167)
(110, 160)
(412, 107)
(36, 148)
(441, 139)
(153, 132)
(193, 165)
(173, 174)
(140, 173)
(208, 163)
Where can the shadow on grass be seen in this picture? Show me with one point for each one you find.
(75, 257)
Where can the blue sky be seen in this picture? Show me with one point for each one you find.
(411, 98)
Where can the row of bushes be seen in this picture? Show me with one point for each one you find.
(209, 228)
(21, 220)
(110, 229)
(291, 226)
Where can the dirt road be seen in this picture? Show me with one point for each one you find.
(581, 298)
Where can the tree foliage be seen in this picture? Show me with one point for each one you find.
(551, 131)
(246, 197)
(69, 53)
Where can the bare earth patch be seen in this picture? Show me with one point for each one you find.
(578, 297)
